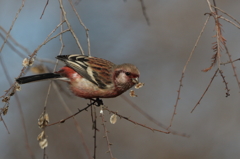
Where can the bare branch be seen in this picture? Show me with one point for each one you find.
(183, 71)
(106, 137)
(144, 12)
(69, 26)
(205, 90)
(15, 18)
(44, 9)
(84, 26)
(226, 14)
(149, 117)
(126, 118)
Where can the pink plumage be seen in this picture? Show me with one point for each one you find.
(91, 77)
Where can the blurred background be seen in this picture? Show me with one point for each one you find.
(119, 33)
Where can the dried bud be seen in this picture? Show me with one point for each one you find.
(43, 143)
(139, 85)
(17, 87)
(31, 62)
(113, 119)
(43, 120)
(132, 93)
(6, 99)
(26, 62)
(5, 110)
(41, 136)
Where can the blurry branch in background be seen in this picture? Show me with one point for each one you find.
(144, 12)
(14, 89)
(24, 49)
(149, 117)
(15, 18)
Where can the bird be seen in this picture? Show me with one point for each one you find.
(91, 77)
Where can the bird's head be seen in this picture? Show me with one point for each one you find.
(126, 76)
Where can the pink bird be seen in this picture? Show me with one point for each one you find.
(91, 77)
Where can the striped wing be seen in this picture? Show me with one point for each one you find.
(96, 70)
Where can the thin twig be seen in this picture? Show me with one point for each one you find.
(79, 111)
(20, 110)
(205, 90)
(69, 27)
(184, 69)
(23, 48)
(226, 14)
(84, 26)
(106, 137)
(15, 18)
(95, 130)
(224, 63)
(15, 42)
(233, 67)
(230, 22)
(55, 87)
(144, 12)
(134, 122)
(5, 125)
(225, 82)
(149, 117)
(44, 9)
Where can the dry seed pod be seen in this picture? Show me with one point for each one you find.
(17, 87)
(43, 120)
(139, 85)
(113, 119)
(43, 143)
(132, 93)
(41, 136)
(26, 62)
(5, 99)
(5, 110)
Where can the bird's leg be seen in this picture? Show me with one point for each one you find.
(97, 102)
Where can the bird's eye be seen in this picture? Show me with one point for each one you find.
(128, 73)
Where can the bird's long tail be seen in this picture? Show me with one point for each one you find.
(33, 78)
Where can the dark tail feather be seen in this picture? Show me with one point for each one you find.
(27, 79)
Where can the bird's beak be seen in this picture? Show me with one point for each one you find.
(135, 80)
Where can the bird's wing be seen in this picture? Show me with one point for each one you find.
(96, 70)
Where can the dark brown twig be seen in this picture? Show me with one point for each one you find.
(106, 136)
(79, 111)
(126, 118)
(230, 61)
(144, 12)
(44, 9)
(84, 26)
(149, 117)
(205, 90)
(95, 130)
(225, 82)
(183, 72)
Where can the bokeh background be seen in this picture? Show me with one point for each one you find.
(119, 33)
